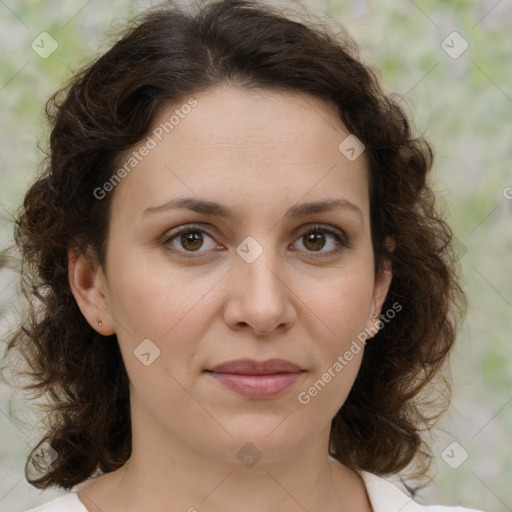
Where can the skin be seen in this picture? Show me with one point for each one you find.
(259, 152)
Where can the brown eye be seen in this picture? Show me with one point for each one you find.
(188, 241)
(314, 241)
(191, 240)
(317, 237)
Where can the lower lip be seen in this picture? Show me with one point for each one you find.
(258, 386)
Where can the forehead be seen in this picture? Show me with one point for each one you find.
(254, 118)
(246, 146)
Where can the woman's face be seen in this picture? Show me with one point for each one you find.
(264, 282)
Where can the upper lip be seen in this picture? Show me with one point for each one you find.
(251, 367)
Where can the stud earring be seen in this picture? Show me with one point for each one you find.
(100, 323)
(374, 318)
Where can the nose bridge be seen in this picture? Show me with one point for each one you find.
(259, 267)
(258, 296)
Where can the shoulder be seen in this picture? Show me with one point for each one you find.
(385, 496)
(67, 503)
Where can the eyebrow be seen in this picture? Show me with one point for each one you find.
(212, 208)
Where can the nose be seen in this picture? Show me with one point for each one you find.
(259, 297)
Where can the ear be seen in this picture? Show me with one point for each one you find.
(88, 285)
(381, 288)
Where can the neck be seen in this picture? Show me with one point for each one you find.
(165, 473)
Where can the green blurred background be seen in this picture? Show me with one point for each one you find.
(461, 103)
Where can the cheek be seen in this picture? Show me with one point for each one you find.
(339, 312)
(341, 304)
(155, 299)
(340, 316)
(162, 307)
(165, 305)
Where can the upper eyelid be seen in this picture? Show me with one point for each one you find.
(206, 228)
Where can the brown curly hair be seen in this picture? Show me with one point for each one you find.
(165, 55)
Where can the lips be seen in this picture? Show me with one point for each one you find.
(257, 379)
(251, 367)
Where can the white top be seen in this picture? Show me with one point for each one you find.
(384, 497)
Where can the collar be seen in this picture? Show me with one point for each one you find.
(385, 496)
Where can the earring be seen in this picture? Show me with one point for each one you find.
(374, 318)
(100, 323)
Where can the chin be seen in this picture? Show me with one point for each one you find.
(254, 436)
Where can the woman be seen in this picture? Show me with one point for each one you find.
(244, 285)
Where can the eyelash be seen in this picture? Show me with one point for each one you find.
(343, 242)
